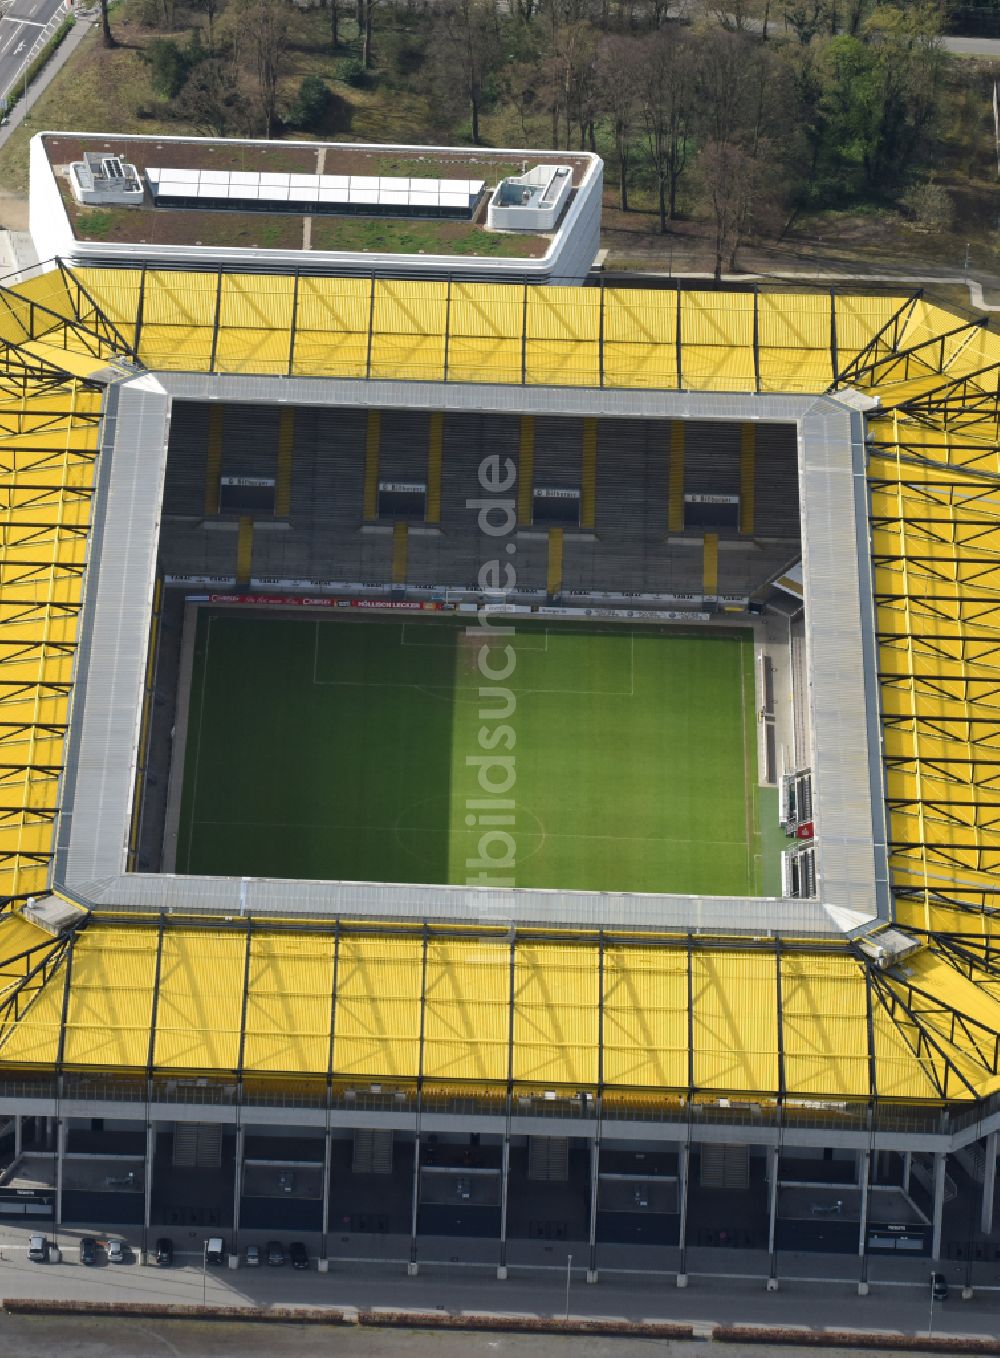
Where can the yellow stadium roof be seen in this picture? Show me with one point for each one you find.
(630, 1017)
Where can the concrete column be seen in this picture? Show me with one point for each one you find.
(940, 1164)
(907, 1167)
(989, 1184)
(775, 1154)
(864, 1170)
(683, 1175)
(18, 1135)
(147, 1206)
(327, 1159)
(238, 1186)
(595, 1163)
(504, 1184)
(413, 1267)
(60, 1151)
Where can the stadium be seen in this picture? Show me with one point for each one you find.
(499, 761)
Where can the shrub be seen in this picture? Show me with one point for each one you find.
(168, 66)
(930, 206)
(352, 72)
(311, 103)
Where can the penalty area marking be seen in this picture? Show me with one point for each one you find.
(454, 695)
(468, 633)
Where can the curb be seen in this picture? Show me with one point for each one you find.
(387, 1319)
(790, 1335)
(469, 1320)
(852, 1339)
(31, 1306)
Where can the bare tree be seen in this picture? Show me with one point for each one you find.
(617, 60)
(666, 102)
(467, 48)
(366, 27)
(210, 100)
(806, 18)
(261, 32)
(721, 85)
(107, 37)
(576, 61)
(729, 178)
(736, 16)
(211, 9)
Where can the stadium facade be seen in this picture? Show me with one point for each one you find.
(384, 1066)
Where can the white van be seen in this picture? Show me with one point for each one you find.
(215, 1250)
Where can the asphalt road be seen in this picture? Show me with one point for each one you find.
(974, 47)
(65, 1337)
(20, 27)
(816, 1301)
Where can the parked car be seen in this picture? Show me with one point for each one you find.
(939, 1287)
(215, 1250)
(116, 1251)
(38, 1249)
(88, 1250)
(298, 1254)
(253, 1256)
(164, 1251)
(275, 1253)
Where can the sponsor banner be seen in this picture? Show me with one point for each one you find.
(631, 596)
(733, 600)
(218, 581)
(622, 614)
(320, 586)
(310, 601)
(408, 605)
(807, 830)
(267, 481)
(506, 608)
(711, 499)
(353, 587)
(556, 493)
(404, 487)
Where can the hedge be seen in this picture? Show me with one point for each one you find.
(45, 55)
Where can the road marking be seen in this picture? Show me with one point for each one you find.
(16, 19)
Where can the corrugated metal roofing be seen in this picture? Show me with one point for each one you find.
(757, 1022)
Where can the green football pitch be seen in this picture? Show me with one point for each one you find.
(353, 748)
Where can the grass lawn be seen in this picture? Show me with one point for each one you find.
(338, 749)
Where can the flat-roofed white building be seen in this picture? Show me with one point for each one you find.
(419, 211)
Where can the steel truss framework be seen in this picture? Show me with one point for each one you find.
(683, 1017)
(891, 1021)
(300, 325)
(49, 429)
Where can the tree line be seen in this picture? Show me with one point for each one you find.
(747, 111)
